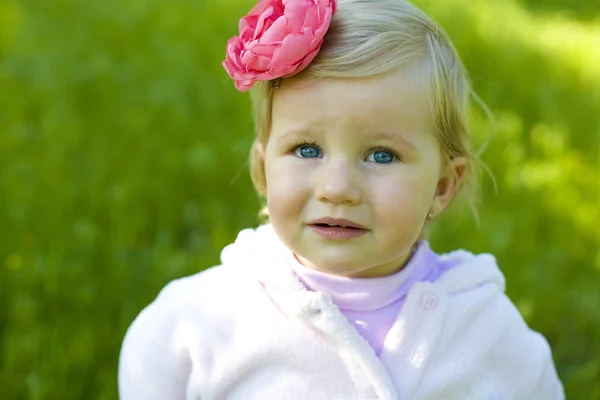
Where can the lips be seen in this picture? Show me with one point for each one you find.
(337, 228)
(336, 222)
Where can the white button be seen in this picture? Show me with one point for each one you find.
(429, 301)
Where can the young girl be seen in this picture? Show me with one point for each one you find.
(361, 110)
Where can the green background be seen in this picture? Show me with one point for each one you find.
(123, 150)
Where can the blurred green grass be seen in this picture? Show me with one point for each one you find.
(123, 165)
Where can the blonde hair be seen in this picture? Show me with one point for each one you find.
(372, 37)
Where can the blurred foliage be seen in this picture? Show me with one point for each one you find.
(123, 165)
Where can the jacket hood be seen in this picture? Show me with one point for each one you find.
(261, 254)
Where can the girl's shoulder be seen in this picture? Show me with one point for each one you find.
(228, 286)
(477, 323)
(464, 271)
(217, 285)
(197, 303)
(187, 313)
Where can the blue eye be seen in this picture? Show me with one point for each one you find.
(307, 151)
(381, 157)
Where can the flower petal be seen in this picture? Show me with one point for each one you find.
(265, 49)
(260, 8)
(276, 31)
(262, 21)
(293, 48)
(294, 12)
(244, 85)
(311, 18)
(305, 62)
(258, 63)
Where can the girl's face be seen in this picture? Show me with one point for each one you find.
(359, 153)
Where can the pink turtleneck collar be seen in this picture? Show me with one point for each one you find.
(372, 304)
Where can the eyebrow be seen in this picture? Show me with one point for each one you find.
(394, 138)
(297, 132)
(294, 134)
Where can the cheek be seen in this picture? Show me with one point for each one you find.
(287, 190)
(403, 197)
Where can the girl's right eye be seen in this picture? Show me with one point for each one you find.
(307, 151)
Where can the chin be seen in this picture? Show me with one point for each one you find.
(338, 267)
(341, 272)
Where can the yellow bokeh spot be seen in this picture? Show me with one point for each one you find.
(14, 262)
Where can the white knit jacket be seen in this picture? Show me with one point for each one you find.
(248, 329)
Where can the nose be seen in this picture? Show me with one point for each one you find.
(338, 182)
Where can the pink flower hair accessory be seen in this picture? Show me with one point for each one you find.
(278, 39)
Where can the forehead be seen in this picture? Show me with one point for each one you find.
(394, 102)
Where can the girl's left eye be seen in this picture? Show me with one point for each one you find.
(307, 151)
(381, 157)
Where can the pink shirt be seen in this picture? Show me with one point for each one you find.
(372, 304)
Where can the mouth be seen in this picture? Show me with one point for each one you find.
(335, 226)
(329, 222)
(337, 229)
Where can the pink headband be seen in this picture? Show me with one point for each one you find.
(278, 39)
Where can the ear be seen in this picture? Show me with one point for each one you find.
(257, 168)
(451, 179)
(259, 150)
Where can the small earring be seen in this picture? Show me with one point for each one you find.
(276, 83)
(429, 214)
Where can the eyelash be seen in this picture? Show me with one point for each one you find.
(373, 150)
(384, 149)
(304, 143)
